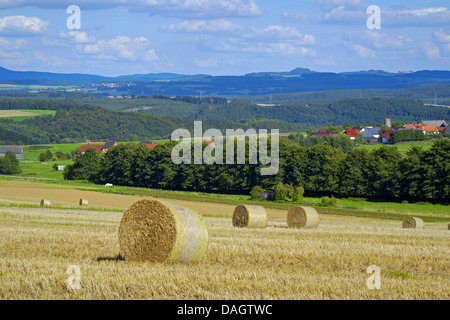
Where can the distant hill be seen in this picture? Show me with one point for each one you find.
(34, 77)
(259, 83)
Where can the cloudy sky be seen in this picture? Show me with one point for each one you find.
(223, 37)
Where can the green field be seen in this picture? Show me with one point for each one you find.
(35, 112)
(403, 147)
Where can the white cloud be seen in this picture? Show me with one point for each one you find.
(442, 36)
(291, 16)
(78, 37)
(435, 16)
(432, 51)
(21, 25)
(331, 4)
(121, 47)
(425, 16)
(276, 33)
(173, 8)
(342, 15)
(219, 25)
(380, 40)
(362, 51)
(281, 48)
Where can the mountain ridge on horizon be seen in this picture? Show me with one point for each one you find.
(257, 83)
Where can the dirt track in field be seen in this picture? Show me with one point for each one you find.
(34, 192)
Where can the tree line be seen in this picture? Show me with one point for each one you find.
(320, 170)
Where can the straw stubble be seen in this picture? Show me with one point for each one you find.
(157, 231)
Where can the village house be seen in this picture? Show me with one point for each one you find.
(17, 150)
(108, 145)
(351, 133)
(385, 136)
(149, 144)
(98, 147)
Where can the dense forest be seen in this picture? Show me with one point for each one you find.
(320, 170)
(75, 122)
(428, 94)
(156, 117)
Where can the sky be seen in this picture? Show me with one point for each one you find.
(223, 37)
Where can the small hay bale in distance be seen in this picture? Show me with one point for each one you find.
(412, 223)
(302, 217)
(252, 217)
(84, 202)
(157, 231)
(45, 203)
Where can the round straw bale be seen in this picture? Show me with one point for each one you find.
(253, 217)
(302, 217)
(45, 203)
(412, 223)
(84, 202)
(157, 231)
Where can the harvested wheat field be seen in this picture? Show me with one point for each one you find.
(38, 245)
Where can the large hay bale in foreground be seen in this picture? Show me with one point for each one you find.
(45, 203)
(412, 223)
(302, 217)
(253, 217)
(84, 202)
(157, 231)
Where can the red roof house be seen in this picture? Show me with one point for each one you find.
(84, 147)
(385, 136)
(351, 133)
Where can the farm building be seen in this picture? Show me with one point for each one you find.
(351, 133)
(266, 195)
(434, 123)
(375, 131)
(98, 147)
(149, 144)
(108, 145)
(369, 138)
(385, 136)
(17, 150)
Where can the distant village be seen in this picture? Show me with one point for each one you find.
(372, 134)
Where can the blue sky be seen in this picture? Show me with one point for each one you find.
(223, 37)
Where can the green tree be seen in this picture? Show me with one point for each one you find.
(85, 166)
(10, 164)
(254, 193)
(45, 156)
(297, 196)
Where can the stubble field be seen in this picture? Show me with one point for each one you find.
(38, 245)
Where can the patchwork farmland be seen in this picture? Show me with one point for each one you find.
(39, 244)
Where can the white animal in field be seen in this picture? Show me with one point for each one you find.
(109, 185)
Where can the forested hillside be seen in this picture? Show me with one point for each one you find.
(156, 117)
(74, 122)
(428, 94)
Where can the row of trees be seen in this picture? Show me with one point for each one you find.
(320, 170)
